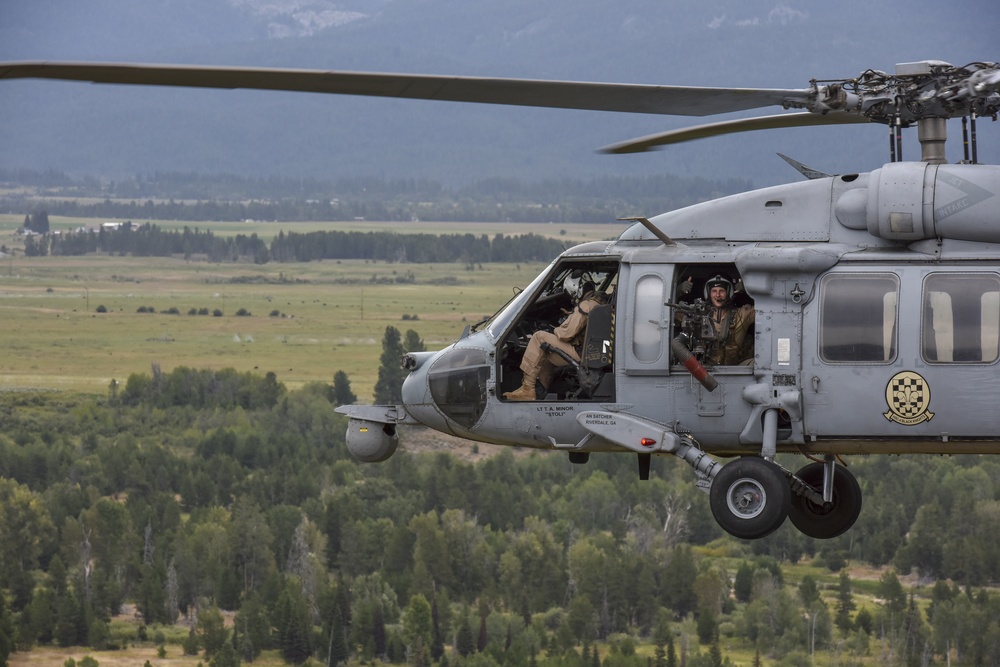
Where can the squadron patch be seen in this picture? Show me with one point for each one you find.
(908, 396)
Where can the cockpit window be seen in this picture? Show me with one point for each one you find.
(960, 318)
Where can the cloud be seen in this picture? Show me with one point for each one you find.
(785, 15)
(781, 14)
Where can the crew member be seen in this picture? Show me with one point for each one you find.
(539, 365)
(731, 324)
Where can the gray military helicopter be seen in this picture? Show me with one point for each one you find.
(869, 303)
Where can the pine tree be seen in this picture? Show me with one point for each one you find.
(212, 632)
(845, 603)
(388, 388)
(338, 650)
(413, 342)
(225, 657)
(342, 394)
(743, 583)
(437, 637)
(483, 633)
(678, 590)
(464, 643)
(67, 619)
(251, 628)
(707, 627)
(715, 651)
(37, 222)
(151, 600)
(662, 636)
(293, 633)
(381, 642)
(191, 643)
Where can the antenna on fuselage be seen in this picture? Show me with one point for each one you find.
(657, 232)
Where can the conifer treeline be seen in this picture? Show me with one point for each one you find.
(150, 240)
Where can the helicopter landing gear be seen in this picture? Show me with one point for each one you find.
(750, 497)
(826, 520)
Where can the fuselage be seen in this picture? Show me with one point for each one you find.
(877, 325)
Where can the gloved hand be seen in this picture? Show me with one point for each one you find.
(685, 287)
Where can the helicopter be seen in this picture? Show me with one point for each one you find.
(873, 298)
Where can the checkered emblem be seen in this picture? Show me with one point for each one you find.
(908, 396)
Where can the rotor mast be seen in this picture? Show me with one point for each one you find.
(932, 134)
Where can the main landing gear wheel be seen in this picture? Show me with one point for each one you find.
(750, 498)
(833, 518)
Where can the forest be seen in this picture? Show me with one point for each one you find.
(192, 496)
(149, 240)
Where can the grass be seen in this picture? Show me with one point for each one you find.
(572, 233)
(306, 320)
(133, 656)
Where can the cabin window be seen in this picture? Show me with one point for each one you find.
(858, 318)
(960, 318)
(647, 340)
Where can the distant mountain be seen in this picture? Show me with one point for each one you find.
(116, 131)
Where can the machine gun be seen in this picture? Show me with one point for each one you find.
(695, 336)
(696, 329)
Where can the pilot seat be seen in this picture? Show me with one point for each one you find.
(590, 378)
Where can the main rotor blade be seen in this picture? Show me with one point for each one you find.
(630, 98)
(653, 141)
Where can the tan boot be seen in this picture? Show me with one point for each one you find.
(526, 392)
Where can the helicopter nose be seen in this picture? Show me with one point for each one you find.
(415, 392)
(450, 387)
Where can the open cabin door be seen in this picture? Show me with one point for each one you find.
(652, 379)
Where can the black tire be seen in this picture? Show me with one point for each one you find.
(750, 498)
(826, 521)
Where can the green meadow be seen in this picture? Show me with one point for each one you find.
(304, 321)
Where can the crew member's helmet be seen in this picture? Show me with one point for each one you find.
(577, 284)
(719, 281)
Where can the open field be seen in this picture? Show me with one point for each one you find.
(306, 320)
(571, 233)
(137, 656)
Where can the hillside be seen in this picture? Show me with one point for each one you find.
(110, 131)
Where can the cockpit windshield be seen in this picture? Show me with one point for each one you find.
(503, 317)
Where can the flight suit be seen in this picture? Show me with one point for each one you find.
(731, 326)
(568, 337)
